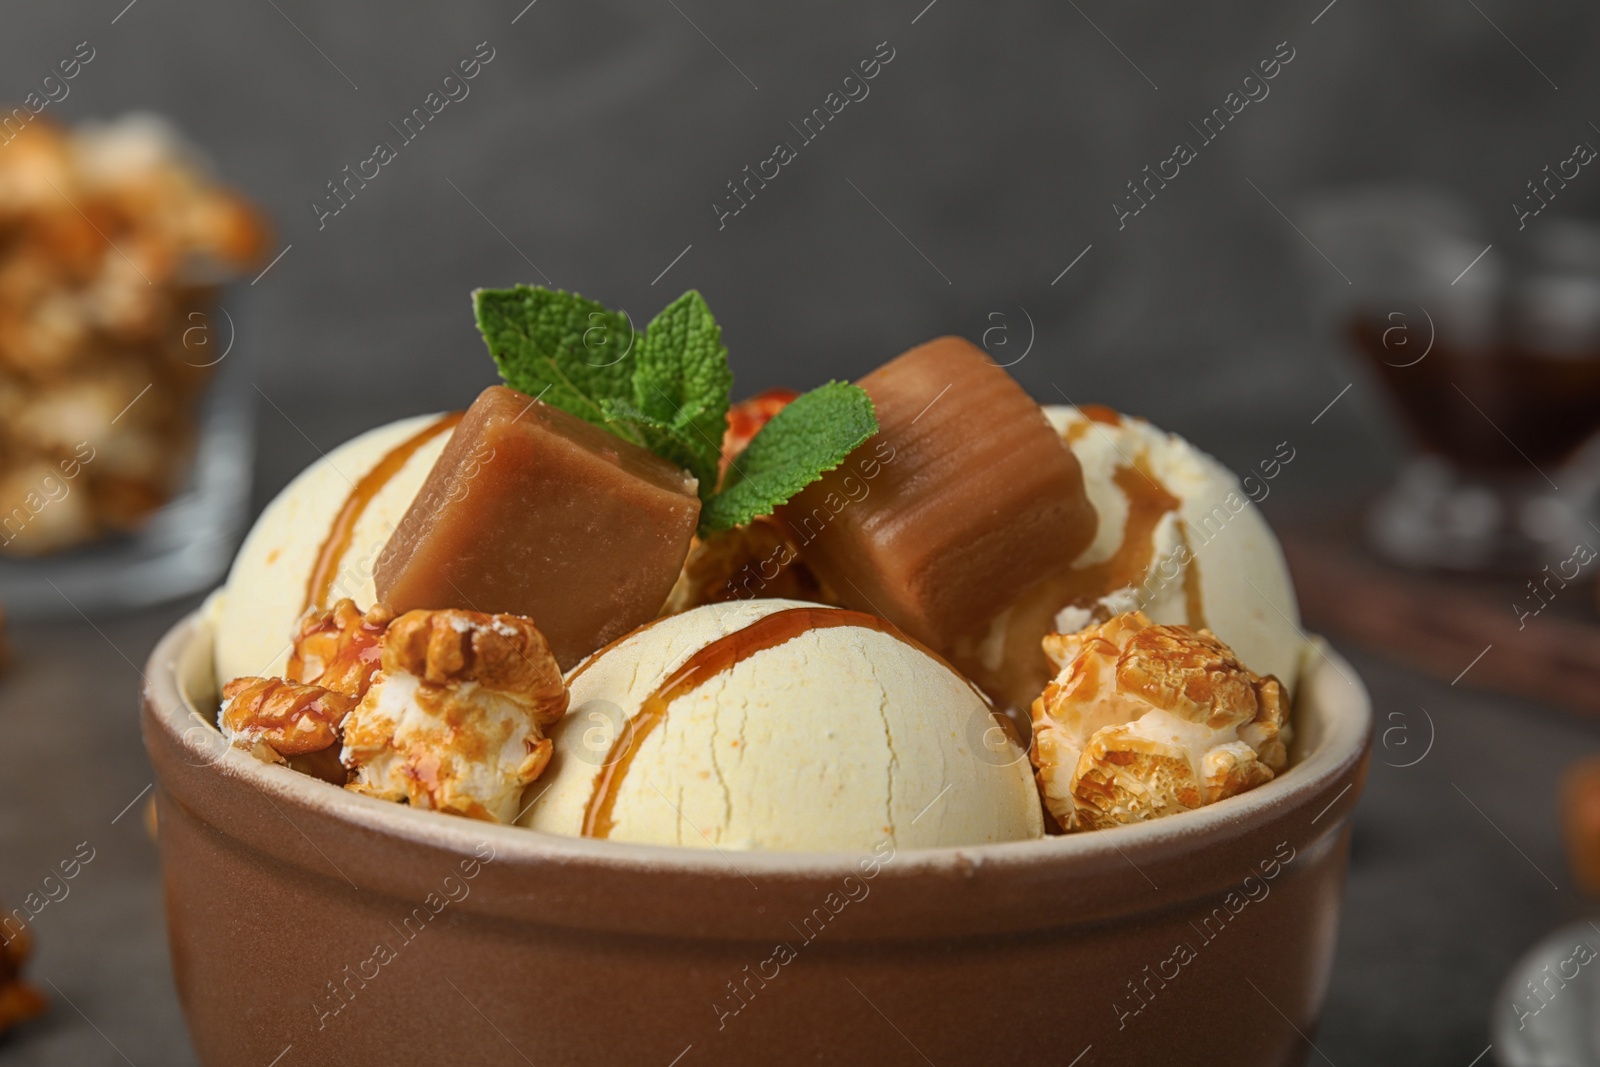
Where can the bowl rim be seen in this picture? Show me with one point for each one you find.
(1329, 692)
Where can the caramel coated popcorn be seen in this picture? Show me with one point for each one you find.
(1144, 721)
(454, 721)
(503, 653)
(438, 709)
(340, 648)
(286, 718)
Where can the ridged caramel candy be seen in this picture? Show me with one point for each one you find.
(532, 511)
(963, 499)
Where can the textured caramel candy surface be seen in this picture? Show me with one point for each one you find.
(531, 511)
(963, 499)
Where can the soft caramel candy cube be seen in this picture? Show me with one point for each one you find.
(532, 511)
(963, 499)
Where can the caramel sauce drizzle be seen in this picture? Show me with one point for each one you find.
(1148, 502)
(1022, 671)
(1092, 413)
(343, 530)
(1193, 602)
(719, 657)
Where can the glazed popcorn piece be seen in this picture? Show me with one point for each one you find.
(297, 720)
(1144, 721)
(340, 648)
(454, 721)
(744, 563)
(441, 709)
(274, 718)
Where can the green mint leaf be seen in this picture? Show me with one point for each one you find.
(616, 410)
(671, 443)
(681, 382)
(571, 352)
(811, 436)
(664, 387)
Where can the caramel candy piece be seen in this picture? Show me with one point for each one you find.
(963, 499)
(532, 511)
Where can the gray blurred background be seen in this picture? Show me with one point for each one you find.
(597, 140)
(981, 166)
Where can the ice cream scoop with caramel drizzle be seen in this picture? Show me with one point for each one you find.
(781, 725)
(1145, 720)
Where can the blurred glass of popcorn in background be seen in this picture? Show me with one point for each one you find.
(114, 241)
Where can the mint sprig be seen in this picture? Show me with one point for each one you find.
(681, 384)
(572, 352)
(666, 387)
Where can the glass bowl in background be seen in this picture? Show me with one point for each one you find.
(182, 547)
(125, 436)
(1490, 357)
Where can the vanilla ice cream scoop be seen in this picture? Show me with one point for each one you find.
(775, 724)
(318, 541)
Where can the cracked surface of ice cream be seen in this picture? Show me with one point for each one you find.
(1207, 557)
(266, 591)
(775, 724)
(1147, 720)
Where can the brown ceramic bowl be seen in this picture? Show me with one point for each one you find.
(328, 928)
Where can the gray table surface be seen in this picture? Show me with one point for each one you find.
(1440, 900)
